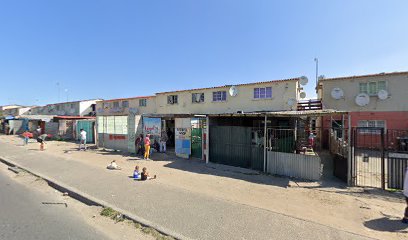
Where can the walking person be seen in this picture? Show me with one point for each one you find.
(26, 135)
(163, 141)
(82, 140)
(41, 140)
(405, 219)
(147, 146)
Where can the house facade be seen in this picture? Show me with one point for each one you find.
(376, 100)
(186, 115)
(75, 108)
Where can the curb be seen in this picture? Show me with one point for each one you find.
(92, 201)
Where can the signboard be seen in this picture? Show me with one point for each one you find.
(397, 155)
(152, 126)
(183, 136)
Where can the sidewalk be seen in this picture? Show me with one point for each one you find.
(187, 212)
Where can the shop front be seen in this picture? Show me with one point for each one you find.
(186, 133)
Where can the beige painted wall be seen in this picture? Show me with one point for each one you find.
(133, 103)
(281, 92)
(397, 87)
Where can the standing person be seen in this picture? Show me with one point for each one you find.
(147, 146)
(139, 145)
(82, 140)
(163, 140)
(311, 139)
(38, 131)
(405, 219)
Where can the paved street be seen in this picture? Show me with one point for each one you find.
(190, 214)
(23, 216)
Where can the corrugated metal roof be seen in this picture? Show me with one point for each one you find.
(363, 76)
(242, 84)
(74, 117)
(129, 98)
(307, 113)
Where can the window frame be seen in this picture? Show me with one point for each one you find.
(201, 98)
(174, 99)
(143, 102)
(262, 93)
(375, 124)
(219, 96)
(366, 87)
(115, 105)
(125, 105)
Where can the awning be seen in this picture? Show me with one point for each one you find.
(305, 113)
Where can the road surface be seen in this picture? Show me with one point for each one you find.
(24, 216)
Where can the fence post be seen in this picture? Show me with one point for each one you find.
(382, 160)
(265, 136)
(349, 157)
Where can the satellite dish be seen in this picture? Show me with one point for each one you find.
(233, 91)
(303, 80)
(362, 99)
(382, 94)
(291, 102)
(337, 93)
(302, 95)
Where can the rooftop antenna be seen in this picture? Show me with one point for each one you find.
(317, 70)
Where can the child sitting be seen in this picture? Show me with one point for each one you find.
(145, 175)
(136, 173)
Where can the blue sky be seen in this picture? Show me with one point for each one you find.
(113, 49)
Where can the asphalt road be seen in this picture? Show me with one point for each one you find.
(23, 216)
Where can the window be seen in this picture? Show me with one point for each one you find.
(219, 96)
(372, 88)
(172, 99)
(197, 97)
(72, 105)
(58, 107)
(371, 124)
(125, 104)
(262, 93)
(105, 105)
(142, 102)
(115, 104)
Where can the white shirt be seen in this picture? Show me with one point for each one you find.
(406, 183)
(83, 135)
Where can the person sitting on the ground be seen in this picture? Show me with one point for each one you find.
(156, 145)
(145, 175)
(405, 219)
(136, 173)
(113, 166)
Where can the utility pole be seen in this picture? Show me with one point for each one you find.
(317, 70)
(58, 88)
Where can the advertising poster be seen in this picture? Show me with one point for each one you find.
(152, 126)
(183, 136)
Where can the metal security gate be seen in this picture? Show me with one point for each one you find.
(196, 142)
(368, 157)
(233, 145)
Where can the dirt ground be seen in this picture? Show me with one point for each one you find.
(368, 212)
